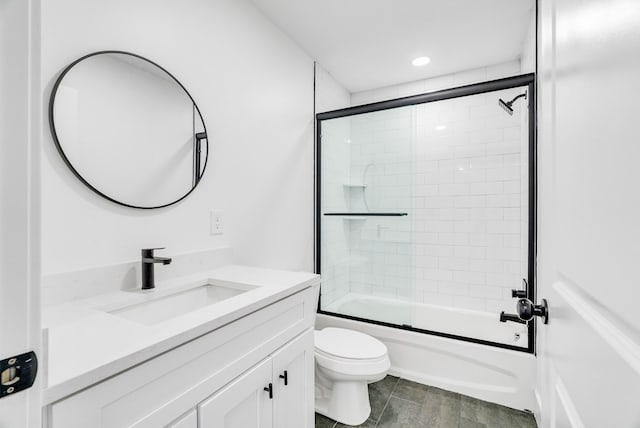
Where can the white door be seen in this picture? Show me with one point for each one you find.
(589, 213)
(293, 371)
(20, 128)
(244, 403)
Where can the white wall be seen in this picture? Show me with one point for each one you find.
(464, 77)
(254, 87)
(330, 94)
(528, 54)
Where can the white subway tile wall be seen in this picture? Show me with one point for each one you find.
(335, 245)
(458, 168)
(382, 161)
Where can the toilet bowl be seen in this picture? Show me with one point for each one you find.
(346, 362)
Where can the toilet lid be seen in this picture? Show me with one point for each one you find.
(345, 343)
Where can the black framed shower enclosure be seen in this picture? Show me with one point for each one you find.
(524, 80)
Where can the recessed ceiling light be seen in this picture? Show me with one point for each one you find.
(420, 61)
(441, 128)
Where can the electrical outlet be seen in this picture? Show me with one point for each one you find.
(217, 224)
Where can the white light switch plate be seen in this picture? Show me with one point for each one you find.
(217, 224)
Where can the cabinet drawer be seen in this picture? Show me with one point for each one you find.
(159, 391)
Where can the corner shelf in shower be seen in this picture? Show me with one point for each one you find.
(354, 185)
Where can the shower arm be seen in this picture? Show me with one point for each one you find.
(517, 97)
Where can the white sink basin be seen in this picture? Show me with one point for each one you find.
(180, 303)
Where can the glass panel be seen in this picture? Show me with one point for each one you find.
(458, 169)
(366, 253)
(470, 215)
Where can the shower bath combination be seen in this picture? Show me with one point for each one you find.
(508, 105)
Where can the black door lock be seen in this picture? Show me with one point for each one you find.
(17, 373)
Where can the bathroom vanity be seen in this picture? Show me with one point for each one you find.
(242, 357)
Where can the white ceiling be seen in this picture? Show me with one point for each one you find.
(368, 44)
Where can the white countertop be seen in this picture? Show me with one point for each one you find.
(87, 344)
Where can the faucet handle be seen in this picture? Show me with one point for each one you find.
(148, 252)
(520, 293)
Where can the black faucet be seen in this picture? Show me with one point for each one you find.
(511, 317)
(148, 260)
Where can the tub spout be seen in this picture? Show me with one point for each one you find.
(511, 317)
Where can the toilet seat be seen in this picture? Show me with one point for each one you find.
(348, 344)
(351, 367)
(350, 353)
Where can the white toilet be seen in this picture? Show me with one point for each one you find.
(346, 362)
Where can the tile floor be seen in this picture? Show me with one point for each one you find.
(399, 403)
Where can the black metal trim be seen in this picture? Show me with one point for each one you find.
(431, 332)
(528, 80)
(532, 282)
(445, 94)
(318, 197)
(52, 127)
(316, 175)
(532, 290)
(369, 214)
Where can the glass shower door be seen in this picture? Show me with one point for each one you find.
(471, 215)
(424, 212)
(365, 215)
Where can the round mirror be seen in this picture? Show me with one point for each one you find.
(128, 129)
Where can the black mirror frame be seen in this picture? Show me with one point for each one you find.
(54, 134)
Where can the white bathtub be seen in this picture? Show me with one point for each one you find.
(485, 372)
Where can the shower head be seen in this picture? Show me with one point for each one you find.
(507, 105)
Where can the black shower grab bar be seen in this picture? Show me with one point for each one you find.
(369, 214)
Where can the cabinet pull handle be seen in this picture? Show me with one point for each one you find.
(269, 389)
(285, 376)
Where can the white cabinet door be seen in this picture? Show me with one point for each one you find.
(293, 384)
(189, 420)
(243, 403)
